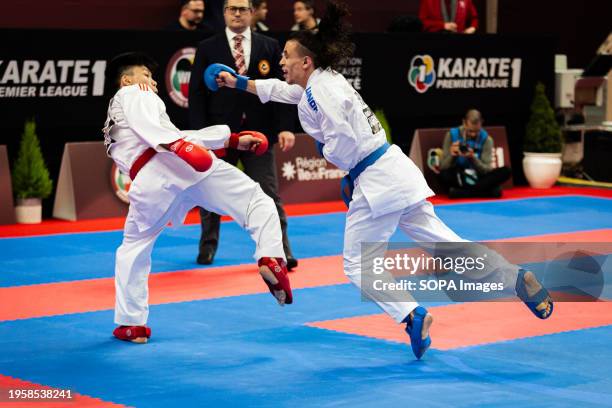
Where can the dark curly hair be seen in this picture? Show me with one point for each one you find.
(331, 44)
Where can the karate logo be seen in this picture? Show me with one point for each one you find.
(120, 183)
(422, 74)
(178, 72)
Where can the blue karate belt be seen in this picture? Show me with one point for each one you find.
(349, 179)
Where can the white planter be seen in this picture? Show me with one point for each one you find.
(29, 210)
(542, 169)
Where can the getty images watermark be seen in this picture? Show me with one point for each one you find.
(474, 271)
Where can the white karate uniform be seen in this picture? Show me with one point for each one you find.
(388, 194)
(166, 188)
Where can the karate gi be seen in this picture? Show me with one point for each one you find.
(166, 188)
(388, 194)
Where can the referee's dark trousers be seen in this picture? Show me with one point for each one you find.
(262, 169)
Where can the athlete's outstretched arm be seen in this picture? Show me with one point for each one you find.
(267, 89)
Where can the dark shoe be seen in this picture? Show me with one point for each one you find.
(206, 256)
(291, 262)
(495, 192)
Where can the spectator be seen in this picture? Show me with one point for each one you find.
(260, 11)
(190, 19)
(456, 16)
(256, 56)
(304, 14)
(466, 167)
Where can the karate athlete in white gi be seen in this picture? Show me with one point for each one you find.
(172, 171)
(389, 190)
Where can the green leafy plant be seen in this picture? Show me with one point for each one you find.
(380, 115)
(30, 174)
(543, 132)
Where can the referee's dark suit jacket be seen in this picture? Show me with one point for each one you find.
(227, 106)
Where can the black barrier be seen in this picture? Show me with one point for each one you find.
(419, 80)
(58, 75)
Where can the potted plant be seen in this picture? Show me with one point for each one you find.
(31, 182)
(543, 143)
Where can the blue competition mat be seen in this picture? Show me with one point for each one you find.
(78, 256)
(247, 351)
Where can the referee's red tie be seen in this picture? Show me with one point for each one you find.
(239, 55)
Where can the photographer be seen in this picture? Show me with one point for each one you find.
(466, 167)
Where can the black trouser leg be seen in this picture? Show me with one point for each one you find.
(487, 184)
(209, 238)
(210, 221)
(449, 177)
(493, 179)
(262, 169)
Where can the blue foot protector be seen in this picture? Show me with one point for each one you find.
(414, 328)
(535, 300)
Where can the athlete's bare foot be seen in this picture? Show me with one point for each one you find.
(267, 274)
(533, 286)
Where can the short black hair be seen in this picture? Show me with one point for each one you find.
(122, 63)
(257, 3)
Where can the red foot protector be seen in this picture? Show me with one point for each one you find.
(130, 333)
(279, 268)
